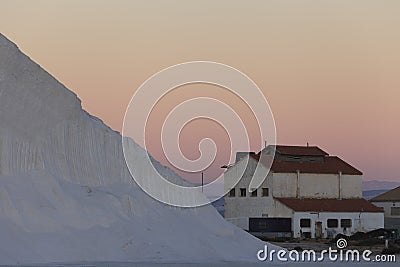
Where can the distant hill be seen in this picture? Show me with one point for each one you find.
(379, 185)
(219, 205)
(369, 194)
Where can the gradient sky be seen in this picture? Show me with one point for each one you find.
(329, 69)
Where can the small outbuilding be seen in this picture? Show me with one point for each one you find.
(390, 202)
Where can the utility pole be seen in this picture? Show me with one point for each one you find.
(202, 181)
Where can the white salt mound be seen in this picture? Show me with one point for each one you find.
(67, 196)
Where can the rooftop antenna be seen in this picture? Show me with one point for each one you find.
(265, 143)
(308, 144)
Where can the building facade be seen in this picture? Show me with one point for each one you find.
(390, 202)
(306, 193)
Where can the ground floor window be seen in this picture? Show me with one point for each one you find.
(271, 225)
(345, 223)
(305, 222)
(332, 223)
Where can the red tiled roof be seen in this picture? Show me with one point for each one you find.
(300, 150)
(330, 165)
(329, 205)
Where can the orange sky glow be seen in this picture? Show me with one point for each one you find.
(329, 69)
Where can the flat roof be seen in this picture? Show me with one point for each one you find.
(300, 150)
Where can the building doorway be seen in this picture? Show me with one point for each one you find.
(318, 229)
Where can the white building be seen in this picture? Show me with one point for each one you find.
(390, 202)
(306, 193)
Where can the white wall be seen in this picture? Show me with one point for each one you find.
(361, 222)
(231, 174)
(387, 207)
(239, 209)
(284, 184)
(319, 185)
(313, 185)
(307, 185)
(351, 186)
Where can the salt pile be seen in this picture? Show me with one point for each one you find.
(67, 196)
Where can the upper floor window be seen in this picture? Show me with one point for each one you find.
(242, 192)
(332, 223)
(395, 211)
(265, 192)
(232, 192)
(254, 193)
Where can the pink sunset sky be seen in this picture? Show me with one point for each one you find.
(329, 69)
